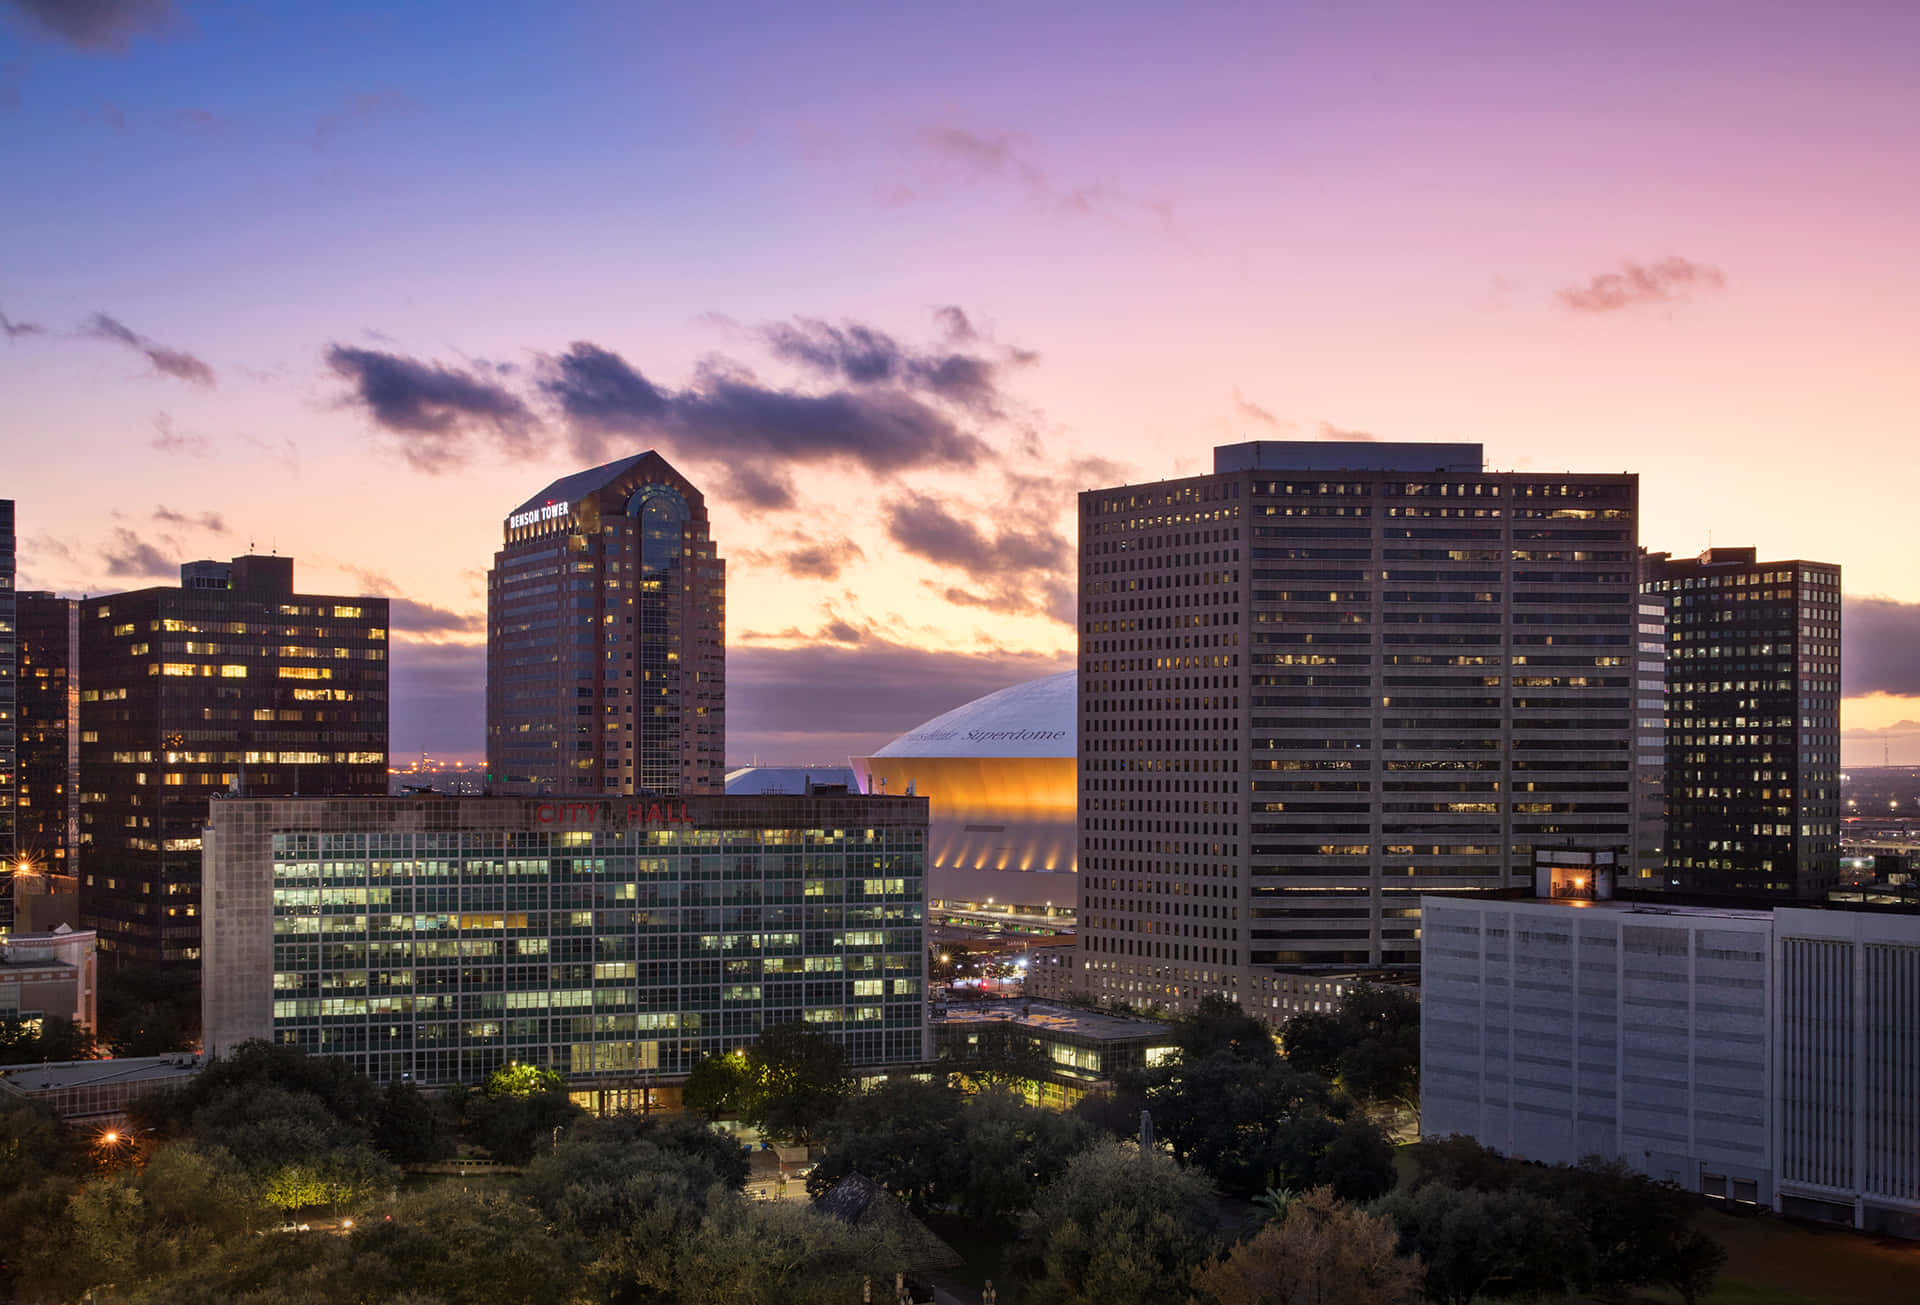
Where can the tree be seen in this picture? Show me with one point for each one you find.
(1008, 1152)
(903, 1134)
(149, 1011)
(1689, 1265)
(1474, 1244)
(1351, 1156)
(716, 1086)
(511, 1126)
(797, 1078)
(1320, 1252)
(410, 1126)
(1119, 1228)
(1219, 1025)
(1370, 1045)
(1221, 1111)
(48, 1038)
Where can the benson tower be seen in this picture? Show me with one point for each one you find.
(606, 645)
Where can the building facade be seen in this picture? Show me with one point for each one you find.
(9, 720)
(1760, 1057)
(230, 683)
(47, 817)
(617, 941)
(999, 773)
(1330, 678)
(1753, 716)
(606, 639)
(50, 975)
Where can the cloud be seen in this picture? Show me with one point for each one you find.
(730, 420)
(202, 122)
(210, 521)
(177, 443)
(98, 24)
(1637, 284)
(824, 702)
(1017, 571)
(1329, 431)
(1247, 408)
(975, 157)
(15, 329)
(861, 355)
(130, 557)
(409, 617)
(360, 110)
(1879, 636)
(168, 362)
(438, 413)
(812, 559)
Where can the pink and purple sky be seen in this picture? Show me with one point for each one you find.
(893, 282)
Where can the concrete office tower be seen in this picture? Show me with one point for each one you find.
(229, 683)
(1753, 724)
(9, 723)
(1647, 862)
(1326, 679)
(47, 822)
(606, 638)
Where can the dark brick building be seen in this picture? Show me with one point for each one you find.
(229, 683)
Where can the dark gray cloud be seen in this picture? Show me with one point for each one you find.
(829, 701)
(1878, 646)
(176, 363)
(211, 521)
(98, 24)
(977, 157)
(732, 421)
(439, 698)
(808, 559)
(1636, 285)
(864, 356)
(1018, 571)
(436, 413)
(15, 329)
(176, 443)
(129, 557)
(410, 617)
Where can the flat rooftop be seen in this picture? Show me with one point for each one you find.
(52, 1076)
(1046, 1016)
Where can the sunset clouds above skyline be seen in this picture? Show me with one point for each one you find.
(892, 284)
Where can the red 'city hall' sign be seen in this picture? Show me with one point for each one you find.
(602, 813)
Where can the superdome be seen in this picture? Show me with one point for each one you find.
(1035, 719)
(999, 776)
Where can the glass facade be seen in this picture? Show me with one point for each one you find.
(9, 720)
(595, 952)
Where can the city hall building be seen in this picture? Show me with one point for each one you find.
(615, 940)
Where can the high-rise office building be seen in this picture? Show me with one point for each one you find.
(47, 818)
(1648, 859)
(231, 683)
(606, 644)
(9, 724)
(1331, 677)
(1753, 724)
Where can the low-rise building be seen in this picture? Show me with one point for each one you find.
(616, 941)
(96, 1092)
(1762, 1057)
(1085, 1050)
(49, 975)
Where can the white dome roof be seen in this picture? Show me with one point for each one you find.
(1035, 719)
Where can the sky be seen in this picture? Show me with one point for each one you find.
(893, 282)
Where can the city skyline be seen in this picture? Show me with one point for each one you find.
(894, 289)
